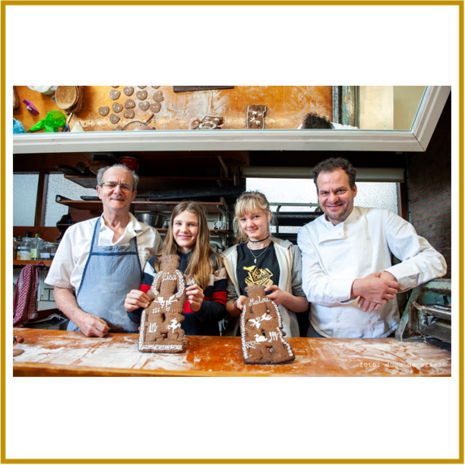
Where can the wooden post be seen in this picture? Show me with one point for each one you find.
(41, 202)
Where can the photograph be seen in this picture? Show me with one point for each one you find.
(281, 247)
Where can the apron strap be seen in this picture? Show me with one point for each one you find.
(95, 235)
(94, 239)
(137, 253)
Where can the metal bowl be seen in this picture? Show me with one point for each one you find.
(151, 219)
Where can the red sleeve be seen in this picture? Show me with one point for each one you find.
(144, 288)
(219, 296)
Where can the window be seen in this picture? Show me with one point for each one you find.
(24, 199)
(58, 185)
(369, 194)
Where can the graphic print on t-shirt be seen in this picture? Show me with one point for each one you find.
(258, 276)
(256, 270)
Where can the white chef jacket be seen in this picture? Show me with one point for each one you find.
(71, 257)
(334, 256)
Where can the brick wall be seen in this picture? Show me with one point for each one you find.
(429, 188)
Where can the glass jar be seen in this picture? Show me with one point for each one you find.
(54, 249)
(48, 250)
(18, 245)
(25, 248)
(36, 243)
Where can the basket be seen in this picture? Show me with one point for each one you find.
(15, 99)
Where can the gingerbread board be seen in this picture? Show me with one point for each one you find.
(160, 326)
(210, 122)
(256, 116)
(261, 330)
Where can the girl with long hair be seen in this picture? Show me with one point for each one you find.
(260, 258)
(189, 236)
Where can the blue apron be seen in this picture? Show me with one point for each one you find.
(110, 273)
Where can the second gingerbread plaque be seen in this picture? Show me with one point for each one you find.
(261, 330)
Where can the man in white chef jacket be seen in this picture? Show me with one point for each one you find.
(347, 273)
(100, 260)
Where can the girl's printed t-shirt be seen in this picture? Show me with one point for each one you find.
(259, 267)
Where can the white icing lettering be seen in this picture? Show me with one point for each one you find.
(259, 300)
(168, 277)
(152, 328)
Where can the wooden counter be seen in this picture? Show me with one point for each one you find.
(63, 353)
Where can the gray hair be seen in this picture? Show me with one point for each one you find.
(101, 171)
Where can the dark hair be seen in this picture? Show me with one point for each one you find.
(332, 164)
(313, 121)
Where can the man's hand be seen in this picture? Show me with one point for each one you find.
(375, 290)
(92, 325)
(136, 299)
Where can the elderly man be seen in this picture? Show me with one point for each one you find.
(347, 273)
(100, 260)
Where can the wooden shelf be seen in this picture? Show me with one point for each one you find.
(142, 206)
(152, 183)
(31, 262)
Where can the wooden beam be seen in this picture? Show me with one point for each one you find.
(41, 201)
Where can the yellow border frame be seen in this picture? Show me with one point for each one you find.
(403, 429)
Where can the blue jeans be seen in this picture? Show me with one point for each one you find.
(312, 333)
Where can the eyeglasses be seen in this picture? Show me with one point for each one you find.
(112, 185)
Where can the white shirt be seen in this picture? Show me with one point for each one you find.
(334, 256)
(71, 257)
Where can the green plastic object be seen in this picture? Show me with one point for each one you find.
(51, 123)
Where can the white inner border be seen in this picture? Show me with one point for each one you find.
(213, 418)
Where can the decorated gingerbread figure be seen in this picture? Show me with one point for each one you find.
(160, 326)
(261, 330)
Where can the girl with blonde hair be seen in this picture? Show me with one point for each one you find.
(260, 258)
(189, 236)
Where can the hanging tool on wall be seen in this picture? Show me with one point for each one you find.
(66, 126)
(143, 122)
(31, 107)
